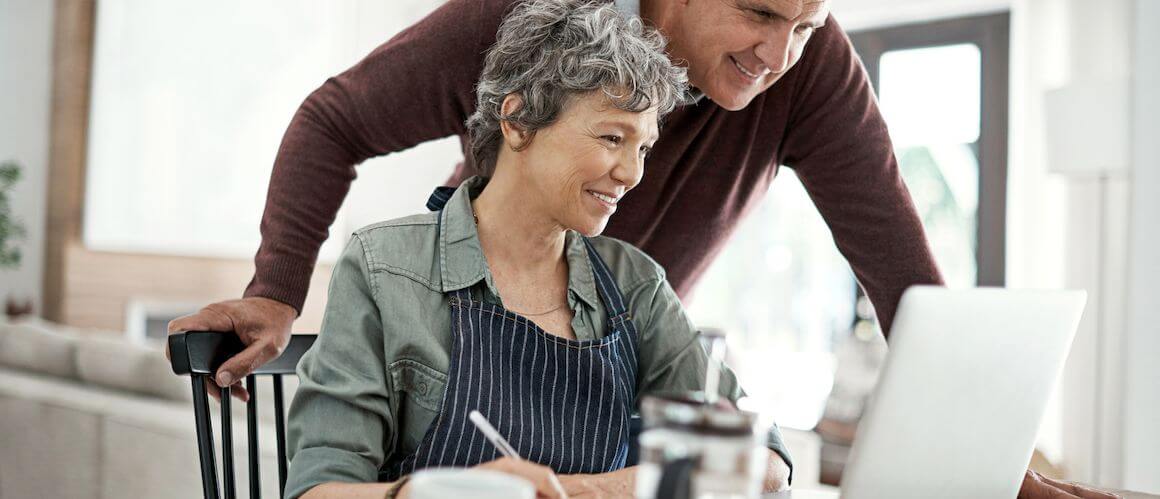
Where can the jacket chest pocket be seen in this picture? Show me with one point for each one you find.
(419, 390)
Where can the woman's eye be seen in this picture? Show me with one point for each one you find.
(645, 150)
(615, 139)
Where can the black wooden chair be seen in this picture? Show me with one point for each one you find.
(198, 354)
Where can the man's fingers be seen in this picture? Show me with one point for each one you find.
(202, 320)
(244, 363)
(237, 390)
(1035, 487)
(1079, 490)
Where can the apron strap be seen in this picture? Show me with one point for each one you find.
(439, 198)
(605, 284)
(437, 202)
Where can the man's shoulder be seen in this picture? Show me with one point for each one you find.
(629, 265)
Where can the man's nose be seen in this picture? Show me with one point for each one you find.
(774, 51)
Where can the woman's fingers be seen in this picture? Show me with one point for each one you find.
(541, 477)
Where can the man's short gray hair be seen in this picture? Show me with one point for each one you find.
(548, 51)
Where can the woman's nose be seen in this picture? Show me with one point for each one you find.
(629, 170)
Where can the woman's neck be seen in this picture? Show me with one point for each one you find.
(514, 232)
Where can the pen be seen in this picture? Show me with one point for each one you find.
(504, 447)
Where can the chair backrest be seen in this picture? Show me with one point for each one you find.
(198, 354)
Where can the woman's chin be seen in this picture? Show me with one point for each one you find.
(591, 228)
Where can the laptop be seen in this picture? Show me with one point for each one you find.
(960, 397)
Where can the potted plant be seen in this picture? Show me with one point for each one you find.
(11, 231)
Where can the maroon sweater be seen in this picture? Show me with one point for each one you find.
(709, 169)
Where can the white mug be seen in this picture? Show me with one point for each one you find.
(460, 483)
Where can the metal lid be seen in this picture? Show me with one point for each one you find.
(689, 412)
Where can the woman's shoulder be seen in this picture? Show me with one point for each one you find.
(389, 228)
(407, 246)
(629, 265)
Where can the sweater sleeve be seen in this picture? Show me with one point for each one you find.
(838, 144)
(416, 87)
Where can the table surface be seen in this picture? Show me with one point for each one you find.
(803, 494)
(833, 494)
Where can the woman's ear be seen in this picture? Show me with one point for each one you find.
(514, 136)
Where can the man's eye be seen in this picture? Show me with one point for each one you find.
(804, 29)
(763, 13)
(645, 150)
(615, 139)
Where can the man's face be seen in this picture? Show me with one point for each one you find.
(738, 48)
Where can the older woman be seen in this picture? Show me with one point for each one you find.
(505, 300)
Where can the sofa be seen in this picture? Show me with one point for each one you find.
(89, 414)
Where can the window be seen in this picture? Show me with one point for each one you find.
(942, 87)
(189, 104)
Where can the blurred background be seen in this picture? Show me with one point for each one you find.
(137, 137)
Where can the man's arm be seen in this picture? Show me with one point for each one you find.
(416, 87)
(838, 144)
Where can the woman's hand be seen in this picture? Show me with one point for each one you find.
(619, 483)
(541, 477)
(776, 474)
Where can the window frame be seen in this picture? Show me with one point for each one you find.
(991, 33)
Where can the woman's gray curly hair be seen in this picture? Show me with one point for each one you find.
(549, 51)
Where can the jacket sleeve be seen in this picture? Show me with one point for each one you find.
(340, 421)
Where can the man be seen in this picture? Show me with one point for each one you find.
(781, 86)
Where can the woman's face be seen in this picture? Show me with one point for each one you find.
(578, 168)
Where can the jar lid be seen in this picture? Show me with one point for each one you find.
(689, 412)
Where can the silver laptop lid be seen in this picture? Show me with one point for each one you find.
(962, 392)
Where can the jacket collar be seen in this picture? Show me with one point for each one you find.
(461, 260)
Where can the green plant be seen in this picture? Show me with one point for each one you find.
(10, 229)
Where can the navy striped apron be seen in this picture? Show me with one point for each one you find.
(559, 402)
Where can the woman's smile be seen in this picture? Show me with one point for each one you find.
(606, 202)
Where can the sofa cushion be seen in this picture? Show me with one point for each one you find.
(124, 365)
(48, 450)
(32, 345)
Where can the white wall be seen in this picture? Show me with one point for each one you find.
(25, 92)
(1142, 341)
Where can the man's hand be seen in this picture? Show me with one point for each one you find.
(1036, 486)
(262, 324)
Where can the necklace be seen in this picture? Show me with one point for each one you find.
(546, 312)
(557, 307)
